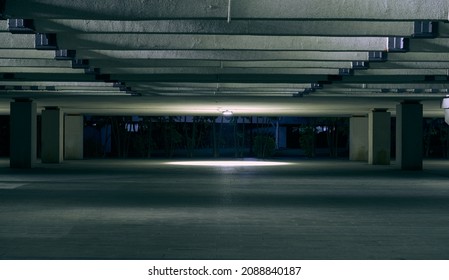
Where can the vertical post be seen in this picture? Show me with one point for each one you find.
(409, 135)
(23, 133)
(73, 137)
(52, 135)
(358, 138)
(379, 137)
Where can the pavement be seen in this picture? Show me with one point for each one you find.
(157, 209)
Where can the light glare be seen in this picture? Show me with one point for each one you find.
(227, 113)
(233, 163)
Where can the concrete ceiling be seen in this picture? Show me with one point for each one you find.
(201, 57)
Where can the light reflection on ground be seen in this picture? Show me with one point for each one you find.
(228, 163)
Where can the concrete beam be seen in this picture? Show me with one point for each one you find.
(235, 27)
(420, 85)
(220, 55)
(218, 42)
(410, 65)
(3, 23)
(26, 54)
(214, 78)
(419, 56)
(14, 41)
(62, 77)
(402, 72)
(226, 85)
(43, 70)
(14, 62)
(215, 70)
(133, 63)
(244, 9)
(57, 84)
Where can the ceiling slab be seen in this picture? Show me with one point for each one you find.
(260, 57)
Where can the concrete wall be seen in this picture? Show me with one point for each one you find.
(52, 135)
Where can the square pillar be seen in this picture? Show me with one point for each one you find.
(73, 137)
(23, 133)
(358, 138)
(409, 135)
(52, 137)
(379, 137)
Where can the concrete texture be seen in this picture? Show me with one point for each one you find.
(409, 135)
(146, 209)
(379, 137)
(73, 136)
(23, 133)
(52, 135)
(358, 138)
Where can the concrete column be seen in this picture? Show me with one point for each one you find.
(379, 137)
(52, 137)
(23, 133)
(73, 137)
(358, 138)
(409, 135)
(445, 106)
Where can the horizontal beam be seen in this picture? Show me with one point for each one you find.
(235, 27)
(15, 62)
(225, 85)
(218, 42)
(217, 64)
(214, 70)
(399, 72)
(56, 84)
(56, 77)
(214, 78)
(391, 86)
(60, 93)
(230, 55)
(243, 9)
(419, 56)
(42, 70)
(26, 54)
(410, 65)
(16, 41)
(3, 25)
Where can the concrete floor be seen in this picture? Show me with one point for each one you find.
(146, 209)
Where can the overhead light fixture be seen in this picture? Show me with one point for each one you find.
(227, 113)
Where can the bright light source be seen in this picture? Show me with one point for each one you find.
(227, 113)
(233, 163)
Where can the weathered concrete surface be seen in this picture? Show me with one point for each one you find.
(252, 9)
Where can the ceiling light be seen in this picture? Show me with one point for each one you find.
(227, 113)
